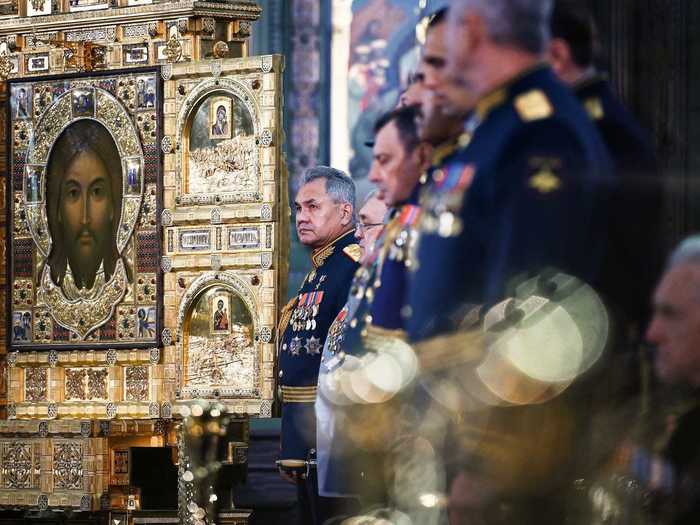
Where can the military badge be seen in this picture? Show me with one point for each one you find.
(295, 346)
(313, 345)
(337, 331)
(545, 180)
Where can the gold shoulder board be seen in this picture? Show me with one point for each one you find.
(353, 251)
(533, 105)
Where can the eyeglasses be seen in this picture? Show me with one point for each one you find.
(364, 227)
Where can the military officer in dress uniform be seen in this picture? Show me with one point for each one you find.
(526, 192)
(632, 266)
(351, 443)
(325, 222)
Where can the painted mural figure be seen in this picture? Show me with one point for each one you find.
(84, 202)
(220, 316)
(220, 127)
(22, 111)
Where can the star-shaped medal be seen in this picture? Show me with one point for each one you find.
(295, 346)
(313, 345)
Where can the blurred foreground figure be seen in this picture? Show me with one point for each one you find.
(527, 192)
(513, 226)
(366, 360)
(325, 221)
(632, 265)
(675, 330)
(654, 478)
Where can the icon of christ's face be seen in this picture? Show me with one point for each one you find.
(86, 215)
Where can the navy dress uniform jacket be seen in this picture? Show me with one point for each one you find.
(632, 265)
(372, 314)
(304, 324)
(527, 193)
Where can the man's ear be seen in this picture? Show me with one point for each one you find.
(559, 56)
(347, 217)
(424, 156)
(476, 31)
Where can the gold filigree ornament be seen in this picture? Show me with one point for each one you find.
(86, 313)
(82, 311)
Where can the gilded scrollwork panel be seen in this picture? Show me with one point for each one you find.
(17, 465)
(35, 384)
(68, 466)
(136, 382)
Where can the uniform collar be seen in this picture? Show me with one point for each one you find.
(319, 255)
(505, 92)
(447, 148)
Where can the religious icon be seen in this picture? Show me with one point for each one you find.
(219, 117)
(84, 195)
(146, 322)
(83, 103)
(135, 54)
(222, 150)
(38, 7)
(21, 102)
(21, 327)
(220, 345)
(37, 63)
(33, 183)
(220, 317)
(80, 186)
(146, 92)
(133, 175)
(87, 5)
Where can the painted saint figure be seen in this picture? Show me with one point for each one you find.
(220, 317)
(22, 111)
(220, 127)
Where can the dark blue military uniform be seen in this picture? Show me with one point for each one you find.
(370, 321)
(303, 327)
(527, 193)
(632, 266)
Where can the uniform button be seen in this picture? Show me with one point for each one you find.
(284, 346)
(281, 374)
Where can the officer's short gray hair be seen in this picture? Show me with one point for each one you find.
(339, 185)
(370, 195)
(523, 24)
(687, 252)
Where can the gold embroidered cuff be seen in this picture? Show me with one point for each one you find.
(298, 394)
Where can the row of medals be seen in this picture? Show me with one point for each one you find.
(304, 316)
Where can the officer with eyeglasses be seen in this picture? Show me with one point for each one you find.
(370, 324)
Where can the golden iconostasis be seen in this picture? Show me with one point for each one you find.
(146, 240)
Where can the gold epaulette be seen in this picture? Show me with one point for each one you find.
(533, 105)
(298, 394)
(353, 251)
